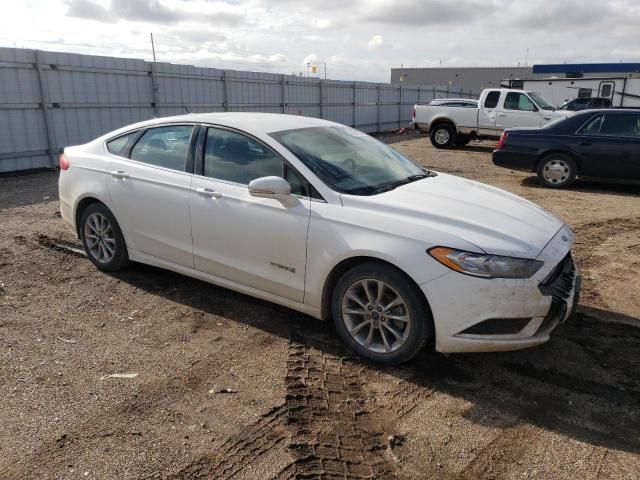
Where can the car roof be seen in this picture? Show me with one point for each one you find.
(252, 122)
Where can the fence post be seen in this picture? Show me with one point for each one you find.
(433, 96)
(419, 94)
(354, 104)
(282, 91)
(322, 112)
(154, 89)
(400, 108)
(44, 96)
(378, 109)
(225, 85)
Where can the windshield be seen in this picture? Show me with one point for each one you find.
(541, 101)
(348, 160)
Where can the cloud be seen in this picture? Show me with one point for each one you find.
(156, 11)
(377, 41)
(425, 12)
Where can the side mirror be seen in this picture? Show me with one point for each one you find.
(534, 108)
(276, 188)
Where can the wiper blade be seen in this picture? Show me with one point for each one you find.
(409, 179)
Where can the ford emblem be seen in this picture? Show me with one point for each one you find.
(564, 237)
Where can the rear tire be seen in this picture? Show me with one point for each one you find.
(102, 238)
(389, 322)
(443, 135)
(557, 170)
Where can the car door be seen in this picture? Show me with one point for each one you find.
(256, 242)
(517, 110)
(149, 191)
(487, 113)
(610, 146)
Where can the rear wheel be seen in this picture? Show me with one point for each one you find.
(557, 170)
(443, 135)
(102, 238)
(380, 314)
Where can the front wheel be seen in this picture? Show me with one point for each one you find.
(443, 136)
(380, 314)
(557, 171)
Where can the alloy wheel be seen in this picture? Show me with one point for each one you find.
(100, 237)
(376, 316)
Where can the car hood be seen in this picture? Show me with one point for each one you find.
(495, 221)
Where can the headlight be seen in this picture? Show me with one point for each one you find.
(483, 265)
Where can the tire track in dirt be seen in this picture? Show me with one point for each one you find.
(333, 432)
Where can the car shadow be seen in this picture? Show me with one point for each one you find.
(584, 383)
(588, 187)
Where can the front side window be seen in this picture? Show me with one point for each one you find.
(492, 99)
(347, 160)
(518, 101)
(233, 157)
(542, 102)
(621, 125)
(592, 127)
(119, 146)
(166, 147)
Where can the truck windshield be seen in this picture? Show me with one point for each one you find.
(541, 101)
(349, 161)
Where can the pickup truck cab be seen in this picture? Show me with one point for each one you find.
(454, 125)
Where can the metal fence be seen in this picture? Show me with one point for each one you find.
(49, 100)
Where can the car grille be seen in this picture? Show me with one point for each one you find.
(559, 282)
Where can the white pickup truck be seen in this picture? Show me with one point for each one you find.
(455, 122)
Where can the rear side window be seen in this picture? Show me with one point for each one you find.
(621, 125)
(120, 146)
(166, 147)
(492, 99)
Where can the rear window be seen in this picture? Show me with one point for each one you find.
(119, 146)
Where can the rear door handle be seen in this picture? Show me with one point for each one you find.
(502, 114)
(547, 118)
(585, 144)
(119, 174)
(208, 192)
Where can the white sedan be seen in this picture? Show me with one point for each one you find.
(324, 219)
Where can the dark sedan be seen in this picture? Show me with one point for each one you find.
(593, 144)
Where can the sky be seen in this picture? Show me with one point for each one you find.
(357, 39)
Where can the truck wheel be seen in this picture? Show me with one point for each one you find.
(443, 136)
(557, 170)
(462, 140)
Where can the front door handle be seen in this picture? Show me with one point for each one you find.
(119, 174)
(502, 114)
(585, 144)
(547, 118)
(208, 192)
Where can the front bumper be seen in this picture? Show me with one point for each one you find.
(479, 315)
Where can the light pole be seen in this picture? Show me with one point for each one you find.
(308, 68)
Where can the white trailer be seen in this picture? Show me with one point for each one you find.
(622, 91)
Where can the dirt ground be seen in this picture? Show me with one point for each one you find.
(231, 387)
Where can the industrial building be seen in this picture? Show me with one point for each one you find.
(479, 78)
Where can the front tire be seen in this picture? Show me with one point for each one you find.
(102, 238)
(557, 170)
(380, 314)
(443, 135)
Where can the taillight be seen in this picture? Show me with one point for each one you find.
(63, 162)
(503, 139)
(413, 113)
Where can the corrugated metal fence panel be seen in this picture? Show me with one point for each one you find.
(86, 96)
